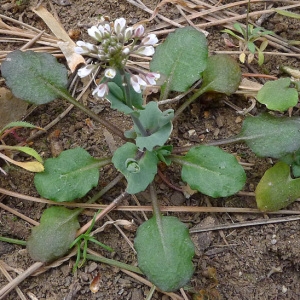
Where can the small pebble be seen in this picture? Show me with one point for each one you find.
(92, 267)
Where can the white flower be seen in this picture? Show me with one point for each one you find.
(126, 51)
(101, 90)
(104, 29)
(150, 40)
(110, 73)
(151, 78)
(145, 50)
(137, 83)
(87, 70)
(84, 48)
(128, 34)
(95, 33)
(119, 26)
(139, 31)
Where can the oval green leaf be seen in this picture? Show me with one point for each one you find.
(276, 189)
(277, 95)
(69, 176)
(30, 76)
(211, 171)
(53, 237)
(271, 136)
(165, 252)
(222, 74)
(181, 58)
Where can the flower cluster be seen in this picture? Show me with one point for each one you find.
(116, 43)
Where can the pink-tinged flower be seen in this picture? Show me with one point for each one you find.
(119, 26)
(110, 73)
(87, 70)
(101, 90)
(85, 48)
(150, 40)
(95, 33)
(139, 31)
(137, 83)
(151, 78)
(145, 50)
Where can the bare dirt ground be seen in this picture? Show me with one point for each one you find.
(257, 262)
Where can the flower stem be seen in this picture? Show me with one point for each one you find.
(189, 101)
(155, 205)
(65, 94)
(135, 119)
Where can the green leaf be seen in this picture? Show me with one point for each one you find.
(116, 98)
(24, 149)
(277, 189)
(52, 238)
(251, 47)
(116, 95)
(277, 95)
(271, 136)
(157, 124)
(17, 124)
(222, 74)
(293, 159)
(30, 75)
(69, 176)
(163, 154)
(239, 28)
(232, 34)
(287, 13)
(165, 252)
(139, 168)
(182, 57)
(211, 171)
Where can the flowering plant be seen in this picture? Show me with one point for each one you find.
(162, 242)
(116, 43)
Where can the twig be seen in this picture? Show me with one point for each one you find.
(268, 53)
(16, 213)
(9, 278)
(245, 224)
(190, 209)
(104, 212)
(6, 289)
(123, 234)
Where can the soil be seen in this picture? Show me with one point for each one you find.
(258, 262)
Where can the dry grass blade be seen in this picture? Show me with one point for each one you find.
(16, 213)
(246, 224)
(149, 208)
(14, 283)
(218, 15)
(9, 278)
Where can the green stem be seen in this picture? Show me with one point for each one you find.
(12, 241)
(114, 263)
(155, 205)
(135, 120)
(126, 87)
(139, 125)
(189, 101)
(112, 128)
